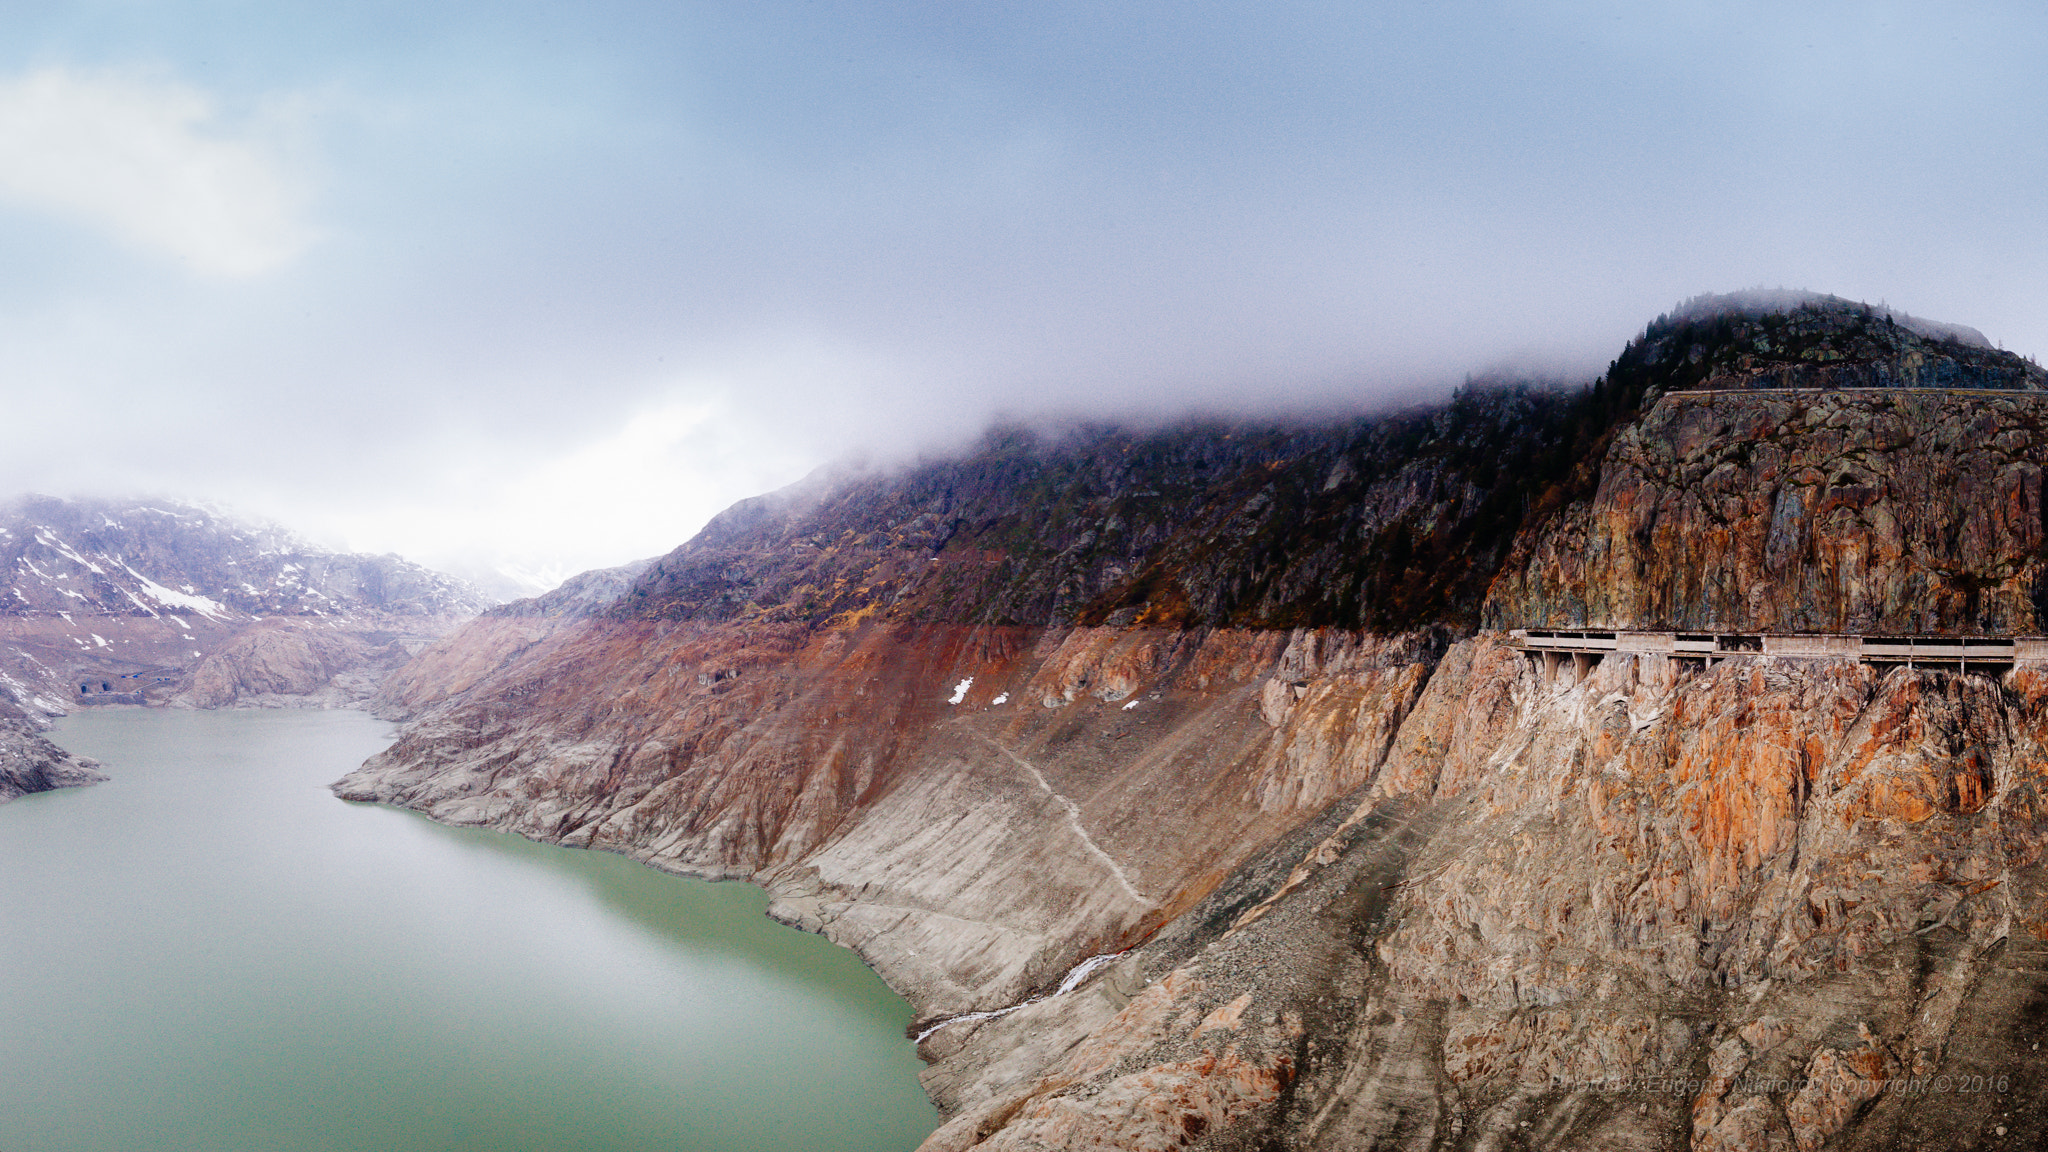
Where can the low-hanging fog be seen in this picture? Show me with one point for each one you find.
(545, 286)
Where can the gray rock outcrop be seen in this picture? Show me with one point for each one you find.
(31, 763)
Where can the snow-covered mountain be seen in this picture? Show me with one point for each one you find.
(156, 556)
(126, 600)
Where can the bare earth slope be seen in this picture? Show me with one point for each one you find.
(1212, 705)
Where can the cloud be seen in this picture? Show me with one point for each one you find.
(589, 273)
(637, 487)
(147, 160)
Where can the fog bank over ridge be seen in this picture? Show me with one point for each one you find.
(546, 289)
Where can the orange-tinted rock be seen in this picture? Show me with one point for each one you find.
(1084, 788)
(997, 715)
(1871, 512)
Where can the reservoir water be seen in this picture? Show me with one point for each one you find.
(212, 953)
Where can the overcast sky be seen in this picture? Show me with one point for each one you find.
(550, 284)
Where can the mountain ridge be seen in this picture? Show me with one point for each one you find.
(156, 602)
(1171, 846)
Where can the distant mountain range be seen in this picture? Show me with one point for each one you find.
(133, 601)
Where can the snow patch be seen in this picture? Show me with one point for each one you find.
(29, 696)
(98, 639)
(138, 601)
(170, 598)
(960, 690)
(966, 1017)
(1071, 981)
(51, 542)
(1084, 969)
(1003, 699)
(1131, 705)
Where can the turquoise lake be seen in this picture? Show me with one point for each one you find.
(212, 953)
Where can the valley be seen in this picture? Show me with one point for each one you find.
(1206, 785)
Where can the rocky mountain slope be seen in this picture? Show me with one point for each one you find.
(155, 601)
(30, 763)
(1184, 780)
(1874, 512)
(1765, 339)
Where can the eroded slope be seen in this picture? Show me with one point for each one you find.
(1212, 701)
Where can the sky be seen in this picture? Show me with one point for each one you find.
(542, 287)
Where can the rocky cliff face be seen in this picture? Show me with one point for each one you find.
(155, 601)
(1172, 780)
(1871, 512)
(1391, 523)
(282, 663)
(30, 763)
(1774, 905)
